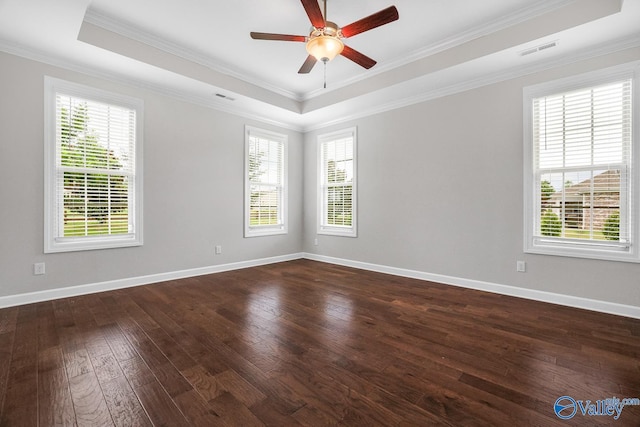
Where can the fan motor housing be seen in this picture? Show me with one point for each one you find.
(330, 29)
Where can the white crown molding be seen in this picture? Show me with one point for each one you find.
(490, 79)
(533, 11)
(203, 101)
(231, 108)
(135, 33)
(514, 291)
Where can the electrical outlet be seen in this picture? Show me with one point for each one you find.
(521, 266)
(38, 269)
(315, 242)
(218, 249)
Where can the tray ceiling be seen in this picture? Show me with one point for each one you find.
(201, 50)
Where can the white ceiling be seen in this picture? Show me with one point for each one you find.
(195, 49)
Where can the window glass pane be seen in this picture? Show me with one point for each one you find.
(93, 198)
(265, 177)
(339, 205)
(337, 184)
(94, 136)
(580, 204)
(265, 200)
(581, 158)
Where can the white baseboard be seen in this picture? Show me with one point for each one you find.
(72, 291)
(560, 299)
(532, 294)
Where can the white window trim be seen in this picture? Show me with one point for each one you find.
(630, 253)
(51, 244)
(334, 230)
(266, 230)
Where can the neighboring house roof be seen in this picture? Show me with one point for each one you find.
(606, 182)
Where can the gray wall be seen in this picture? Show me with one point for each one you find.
(193, 189)
(440, 191)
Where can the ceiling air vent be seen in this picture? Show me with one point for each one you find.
(228, 98)
(539, 48)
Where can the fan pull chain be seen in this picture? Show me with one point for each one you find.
(324, 61)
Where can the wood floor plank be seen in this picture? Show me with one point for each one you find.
(143, 345)
(100, 312)
(106, 367)
(50, 358)
(55, 406)
(270, 415)
(24, 358)
(308, 343)
(311, 416)
(198, 411)
(326, 400)
(161, 409)
(88, 401)
(194, 348)
(8, 322)
(6, 351)
(62, 314)
(8, 319)
(22, 382)
(47, 331)
(96, 344)
(233, 412)
(239, 388)
(123, 404)
(78, 363)
(171, 349)
(120, 346)
(20, 404)
(203, 382)
(282, 395)
(137, 372)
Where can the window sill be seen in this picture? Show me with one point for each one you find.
(621, 255)
(259, 232)
(91, 243)
(338, 231)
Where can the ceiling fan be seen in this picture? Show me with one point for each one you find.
(324, 42)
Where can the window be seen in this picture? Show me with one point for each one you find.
(265, 183)
(337, 178)
(581, 161)
(93, 168)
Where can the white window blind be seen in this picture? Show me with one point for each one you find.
(337, 183)
(583, 169)
(92, 179)
(266, 183)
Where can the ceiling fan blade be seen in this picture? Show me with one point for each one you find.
(357, 57)
(282, 37)
(385, 16)
(313, 12)
(308, 65)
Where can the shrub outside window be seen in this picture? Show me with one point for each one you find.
(93, 168)
(581, 161)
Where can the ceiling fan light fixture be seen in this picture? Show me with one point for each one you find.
(324, 48)
(324, 41)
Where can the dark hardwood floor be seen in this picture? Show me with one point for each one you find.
(306, 343)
